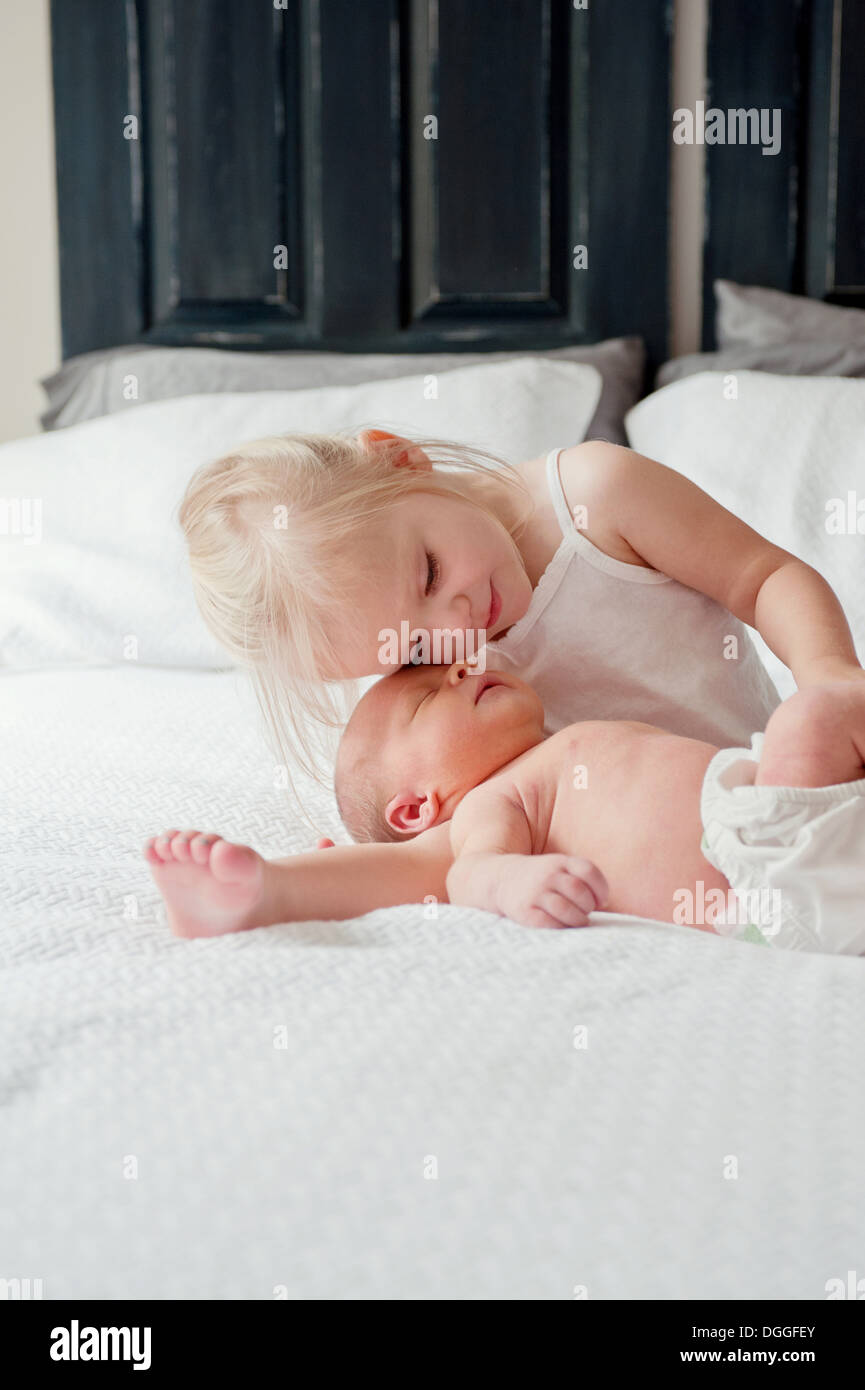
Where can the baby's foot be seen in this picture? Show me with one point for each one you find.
(210, 886)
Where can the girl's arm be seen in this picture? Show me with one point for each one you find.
(638, 505)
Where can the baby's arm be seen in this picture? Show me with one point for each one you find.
(494, 867)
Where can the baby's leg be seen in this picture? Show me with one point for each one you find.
(802, 746)
(209, 885)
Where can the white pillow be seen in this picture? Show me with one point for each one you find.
(94, 566)
(784, 454)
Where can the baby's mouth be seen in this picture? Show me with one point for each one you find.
(485, 683)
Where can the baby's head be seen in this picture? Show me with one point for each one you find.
(315, 557)
(419, 740)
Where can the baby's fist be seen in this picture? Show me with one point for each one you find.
(550, 890)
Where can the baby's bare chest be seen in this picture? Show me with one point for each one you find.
(610, 789)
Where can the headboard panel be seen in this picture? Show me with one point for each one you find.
(305, 124)
(794, 220)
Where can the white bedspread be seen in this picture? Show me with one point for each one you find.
(231, 1118)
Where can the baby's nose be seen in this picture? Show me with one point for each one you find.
(460, 670)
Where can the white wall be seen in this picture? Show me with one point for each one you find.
(29, 293)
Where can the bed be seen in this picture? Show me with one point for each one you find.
(425, 1102)
(419, 1103)
(392, 1107)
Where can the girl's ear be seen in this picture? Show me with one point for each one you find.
(408, 457)
(411, 812)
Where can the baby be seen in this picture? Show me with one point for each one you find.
(664, 826)
(766, 843)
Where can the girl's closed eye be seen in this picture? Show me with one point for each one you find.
(433, 573)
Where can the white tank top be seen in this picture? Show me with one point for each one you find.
(603, 639)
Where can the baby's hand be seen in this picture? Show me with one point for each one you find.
(549, 890)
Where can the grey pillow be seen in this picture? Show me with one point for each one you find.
(750, 316)
(786, 359)
(100, 383)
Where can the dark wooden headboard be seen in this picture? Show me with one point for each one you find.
(305, 124)
(795, 220)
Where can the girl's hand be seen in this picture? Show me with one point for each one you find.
(549, 890)
(845, 682)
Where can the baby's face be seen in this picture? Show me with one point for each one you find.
(438, 731)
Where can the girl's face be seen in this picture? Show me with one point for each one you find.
(435, 563)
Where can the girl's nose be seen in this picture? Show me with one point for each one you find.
(461, 608)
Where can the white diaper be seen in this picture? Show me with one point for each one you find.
(794, 856)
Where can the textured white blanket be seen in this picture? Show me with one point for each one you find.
(391, 1107)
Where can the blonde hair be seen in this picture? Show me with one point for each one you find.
(270, 529)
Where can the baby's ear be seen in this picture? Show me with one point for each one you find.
(408, 813)
(408, 456)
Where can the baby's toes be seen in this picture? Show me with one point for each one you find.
(150, 851)
(180, 845)
(200, 847)
(162, 845)
(233, 863)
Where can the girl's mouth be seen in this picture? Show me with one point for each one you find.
(495, 609)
